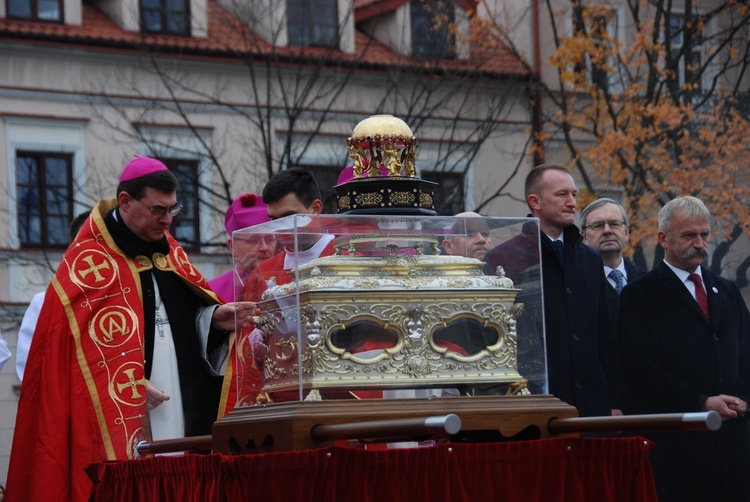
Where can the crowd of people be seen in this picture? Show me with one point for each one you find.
(130, 342)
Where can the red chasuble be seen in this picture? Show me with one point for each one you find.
(83, 397)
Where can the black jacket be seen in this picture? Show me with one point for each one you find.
(583, 364)
(634, 272)
(673, 360)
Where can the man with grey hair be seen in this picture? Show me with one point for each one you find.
(685, 340)
(604, 227)
(471, 238)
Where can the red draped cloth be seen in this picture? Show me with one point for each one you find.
(561, 469)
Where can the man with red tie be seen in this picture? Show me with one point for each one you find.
(685, 341)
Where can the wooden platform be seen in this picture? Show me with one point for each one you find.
(281, 427)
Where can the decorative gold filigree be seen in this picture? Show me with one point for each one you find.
(344, 202)
(286, 349)
(402, 198)
(373, 289)
(271, 370)
(368, 199)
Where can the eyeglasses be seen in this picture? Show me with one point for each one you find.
(255, 240)
(161, 211)
(598, 226)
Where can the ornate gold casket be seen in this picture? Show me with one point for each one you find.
(381, 313)
(385, 311)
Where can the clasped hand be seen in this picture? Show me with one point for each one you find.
(726, 406)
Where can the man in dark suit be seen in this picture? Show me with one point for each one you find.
(604, 227)
(684, 335)
(582, 359)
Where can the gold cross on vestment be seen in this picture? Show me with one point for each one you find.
(132, 383)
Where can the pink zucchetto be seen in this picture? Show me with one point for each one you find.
(141, 166)
(247, 210)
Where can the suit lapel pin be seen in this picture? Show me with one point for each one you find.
(714, 289)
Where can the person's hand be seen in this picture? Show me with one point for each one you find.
(616, 412)
(240, 313)
(248, 263)
(726, 406)
(258, 344)
(154, 397)
(741, 407)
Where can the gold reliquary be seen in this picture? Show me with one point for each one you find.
(357, 306)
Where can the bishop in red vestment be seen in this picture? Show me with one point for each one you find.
(84, 397)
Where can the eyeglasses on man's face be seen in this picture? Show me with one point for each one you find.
(256, 240)
(161, 211)
(598, 226)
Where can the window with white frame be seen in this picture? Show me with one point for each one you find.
(46, 179)
(604, 25)
(44, 194)
(313, 23)
(686, 50)
(183, 151)
(432, 29)
(166, 17)
(609, 34)
(186, 225)
(35, 10)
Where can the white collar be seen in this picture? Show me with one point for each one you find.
(293, 259)
(620, 267)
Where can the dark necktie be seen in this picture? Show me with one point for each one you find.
(700, 293)
(558, 247)
(618, 278)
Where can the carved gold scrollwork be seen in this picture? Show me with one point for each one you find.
(286, 349)
(266, 323)
(415, 353)
(271, 370)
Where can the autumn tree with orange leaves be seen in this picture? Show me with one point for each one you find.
(652, 102)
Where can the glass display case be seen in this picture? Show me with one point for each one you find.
(361, 307)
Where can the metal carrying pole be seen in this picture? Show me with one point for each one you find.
(709, 420)
(443, 426)
(390, 430)
(173, 445)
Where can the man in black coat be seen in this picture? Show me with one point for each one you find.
(684, 339)
(604, 226)
(582, 359)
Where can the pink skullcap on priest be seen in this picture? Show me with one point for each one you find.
(141, 166)
(247, 210)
